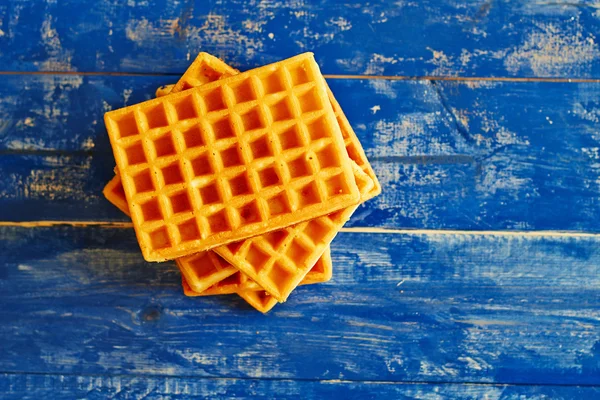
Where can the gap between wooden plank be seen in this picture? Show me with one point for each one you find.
(454, 232)
(326, 381)
(330, 76)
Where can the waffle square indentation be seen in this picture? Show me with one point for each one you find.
(269, 177)
(272, 83)
(278, 205)
(214, 100)
(252, 120)
(188, 230)
(260, 148)
(159, 239)
(279, 275)
(257, 257)
(318, 128)
(276, 238)
(249, 213)
(143, 182)
(298, 74)
(210, 194)
(151, 211)
(281, 111)
(218, 222)
(135, 154)
(201, 165)
(180, 202)
(235, 247)
(308, 195)
(243, 91)
(240, 185)
(184, 108)
(171, 174)
(316, 230)
(127, 125)
(231, 157)
(328, 157)
(222, 129)
(202, 265)
(164, 146)
(290, 138)
(336, 185)
(297, 252)
(156, 116)
(192, 137)
(299, 167)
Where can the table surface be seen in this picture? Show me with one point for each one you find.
(475, 274)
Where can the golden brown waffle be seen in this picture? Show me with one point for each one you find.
(253, 293)
(231, 159)
(164, 90)
(202, 270)
(354, 147)
(206, 68)
(279, 260)
(114, 192)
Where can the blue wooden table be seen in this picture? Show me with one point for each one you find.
(476, 273)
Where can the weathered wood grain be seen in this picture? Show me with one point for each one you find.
(412, 307)
(484, 38)
(58, 387)
(450, 155)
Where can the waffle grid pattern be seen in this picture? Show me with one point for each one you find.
(253, 293)
(231, 159)
(279, 260)
(354, 147)
(205, 69)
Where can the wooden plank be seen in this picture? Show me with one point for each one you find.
(24, 387)
(401, 307)
(480, 38)
(65, 112)
(450, 155)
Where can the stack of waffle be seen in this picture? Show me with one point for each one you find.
(243, 178)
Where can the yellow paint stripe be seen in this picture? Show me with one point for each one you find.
(129, 225)
(330, 76)
(459, 232)
(82, 224)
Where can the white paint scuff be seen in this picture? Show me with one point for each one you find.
(57, 58)
(551, 50)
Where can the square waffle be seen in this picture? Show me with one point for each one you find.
(253, 293)
(206, 273)
(206, 68)
(354, 147)
(279, 260)
(203, 270)
(234, 158)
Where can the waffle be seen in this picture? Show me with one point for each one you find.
(114, 192)
(202, 270)
(206, 68)
(231, 159)
(354, 147)
(164, 90)
(279, 260)
(253, 293)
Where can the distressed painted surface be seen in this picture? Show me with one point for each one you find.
(491, 314)
(58, 387)
(450, 155)
(519, 38)
(401, 307)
